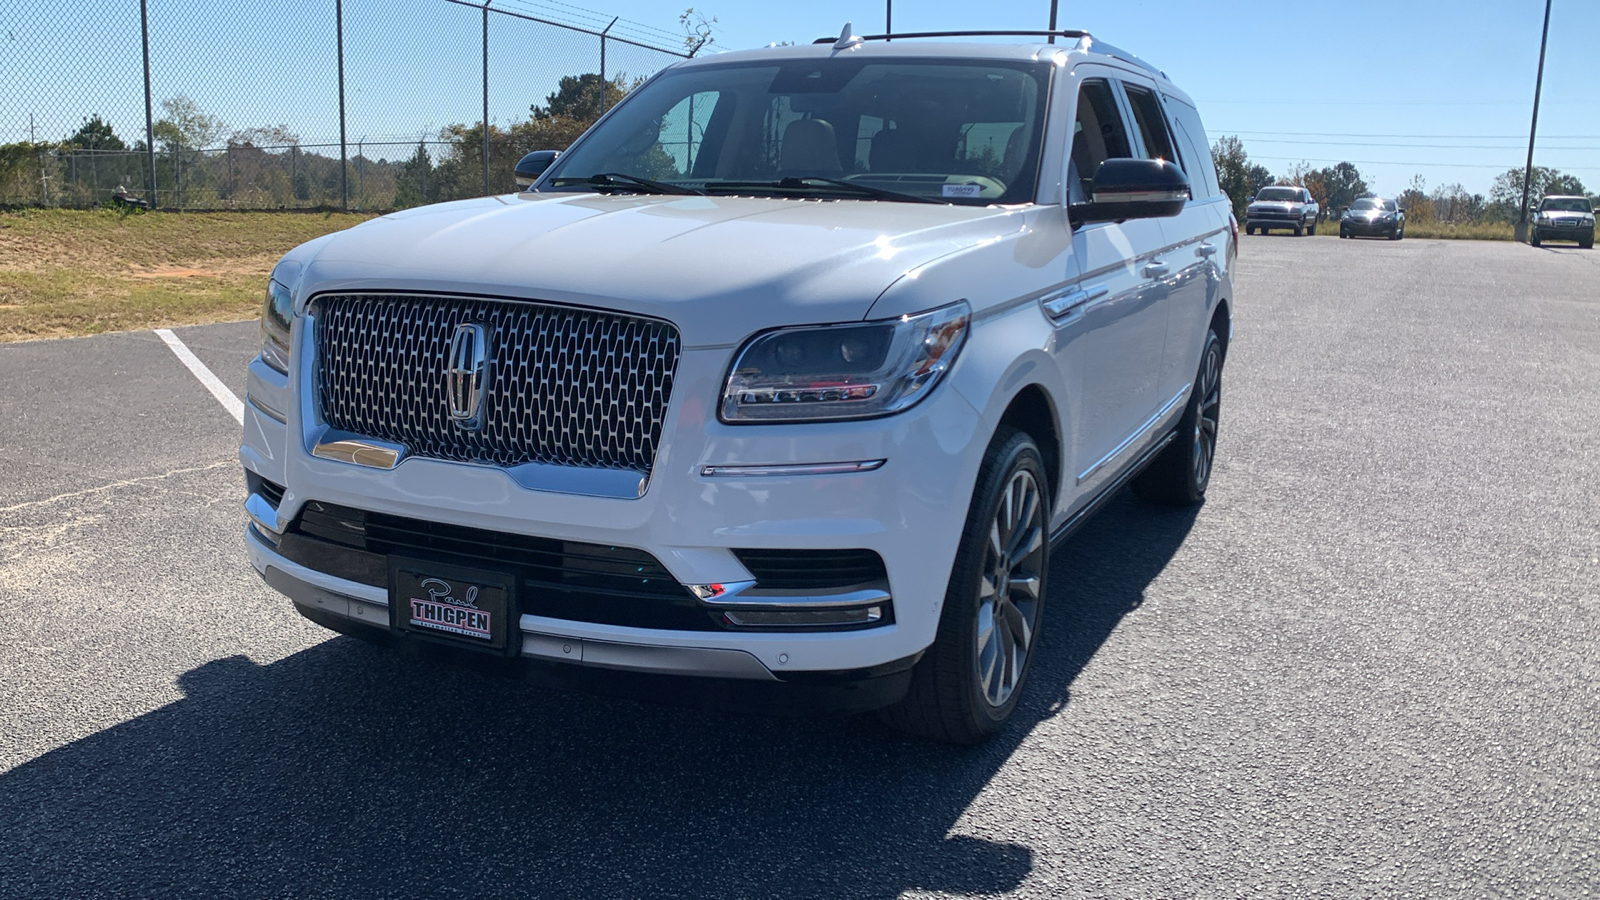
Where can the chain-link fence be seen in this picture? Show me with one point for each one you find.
(295, 104)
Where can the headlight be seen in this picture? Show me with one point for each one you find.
(831, 372)
(275, 318)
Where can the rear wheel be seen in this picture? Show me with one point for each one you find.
(1179, 476)
(968, 683)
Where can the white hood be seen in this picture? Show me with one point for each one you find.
(714, 266)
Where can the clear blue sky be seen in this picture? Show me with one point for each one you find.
(1440, 88)
(1437, 88)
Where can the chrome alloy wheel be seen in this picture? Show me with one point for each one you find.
(1009, 592)
(1210, 413)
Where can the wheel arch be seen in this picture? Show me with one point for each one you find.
(1031, 410)
(1222, 324)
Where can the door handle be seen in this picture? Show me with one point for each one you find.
(1156, 270)
(1206, 251)
(1072, 301)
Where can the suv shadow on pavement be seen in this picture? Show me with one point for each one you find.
(346, 771)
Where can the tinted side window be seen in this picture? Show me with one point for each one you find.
(1202, 171)
(1097, 135)
(1151, 123)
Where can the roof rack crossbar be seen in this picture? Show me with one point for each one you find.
(1066, 33)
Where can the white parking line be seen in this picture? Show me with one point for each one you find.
(229, 400)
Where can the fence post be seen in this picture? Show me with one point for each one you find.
(149, 118)
(344, 160)
(603, 82)
(486, 97)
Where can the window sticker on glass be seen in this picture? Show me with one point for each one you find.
(963, 190)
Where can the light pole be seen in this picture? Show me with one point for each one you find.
(1521, 231)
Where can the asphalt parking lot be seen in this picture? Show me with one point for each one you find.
(1369, 665)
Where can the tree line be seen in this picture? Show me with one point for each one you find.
(1336, 187)
(201, 163)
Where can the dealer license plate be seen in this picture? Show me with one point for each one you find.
(450, 604)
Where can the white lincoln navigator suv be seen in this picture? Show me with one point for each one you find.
(784, 378)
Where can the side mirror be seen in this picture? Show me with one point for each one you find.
(531, 166)
(1134, 189)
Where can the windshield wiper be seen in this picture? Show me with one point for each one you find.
(815, 182)
(622, 180)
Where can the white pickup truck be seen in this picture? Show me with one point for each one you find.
(1282, 206)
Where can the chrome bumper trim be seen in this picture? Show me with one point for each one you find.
(266, 410)
(263, 514)
(360, 451)
(705, 662)
(801, 600)
(779, 471)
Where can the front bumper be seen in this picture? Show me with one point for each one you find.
(1563, 231)
(688, 518)
(1368, 226)
(1277, 222)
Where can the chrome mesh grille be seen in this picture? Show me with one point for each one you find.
(565, 386)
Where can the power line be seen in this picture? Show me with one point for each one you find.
(1418, 146)
(1474, 137)
(1395, 103)
(1422, 165)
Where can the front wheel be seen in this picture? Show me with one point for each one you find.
(1180, 475)
(968, 683)
(1586, 242)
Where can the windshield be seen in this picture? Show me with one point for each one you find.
(951, 131)
(1290, 194)
(1373, 203)
(1565, 204)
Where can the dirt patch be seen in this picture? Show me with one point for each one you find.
(170, 273)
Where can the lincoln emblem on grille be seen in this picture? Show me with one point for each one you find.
(466, 374)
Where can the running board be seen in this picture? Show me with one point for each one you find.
(1078, 518)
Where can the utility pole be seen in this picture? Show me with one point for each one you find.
(1521, 231)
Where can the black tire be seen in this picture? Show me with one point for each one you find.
(1533, 238)
(1180, 475)
(1586, 242)
(1394, 235)
(1249, 229)
(1299, 230)
(951, 698)
(1344, 235)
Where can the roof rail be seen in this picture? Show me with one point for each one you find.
(1067, 33)
(1085, 41)
(1094, 46)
